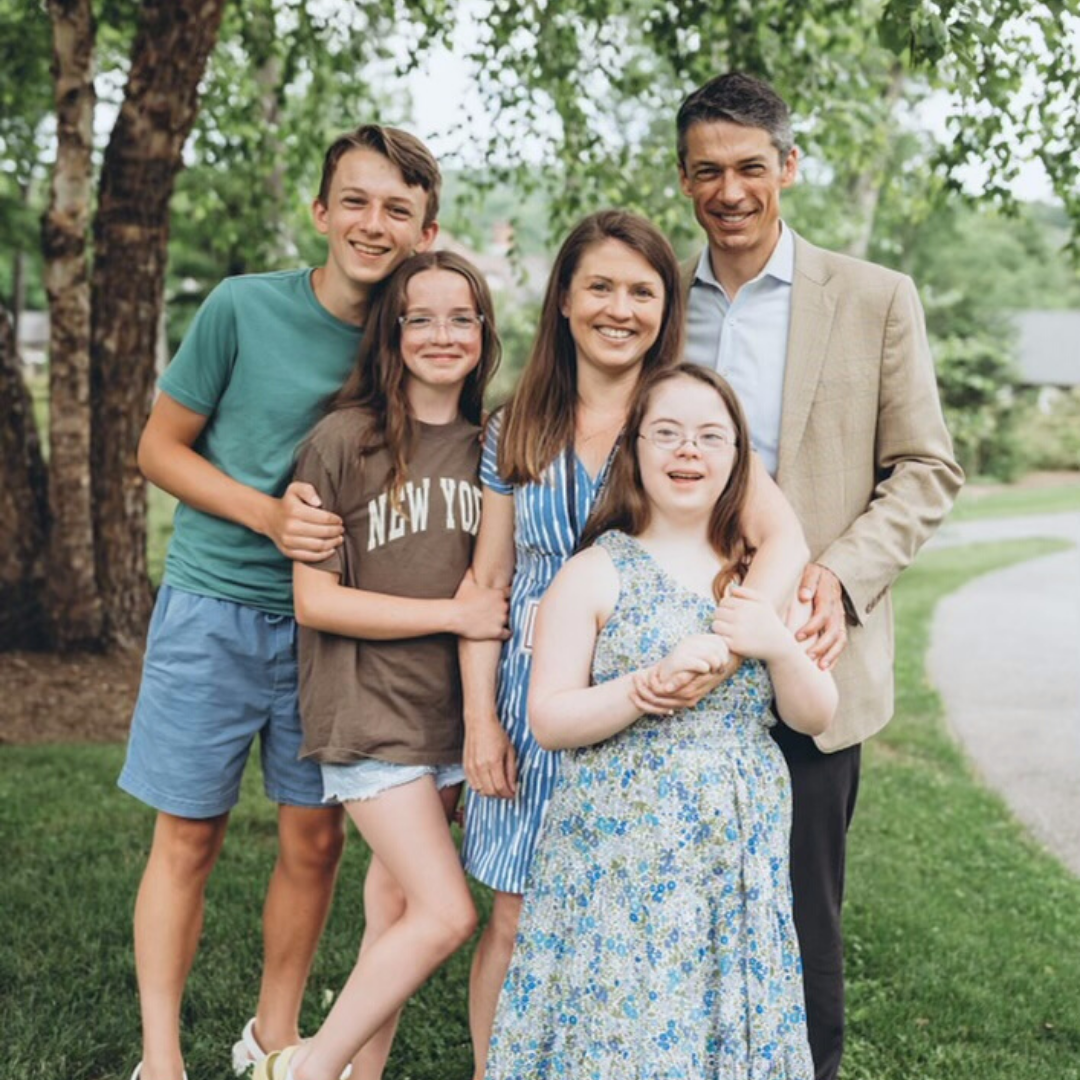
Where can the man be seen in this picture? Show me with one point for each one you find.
(250, 379)
(829, 357)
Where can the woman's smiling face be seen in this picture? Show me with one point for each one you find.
(614, 305)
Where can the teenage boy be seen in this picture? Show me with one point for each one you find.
(250, 379)
(830, 359)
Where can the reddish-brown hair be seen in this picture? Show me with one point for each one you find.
(538, 421)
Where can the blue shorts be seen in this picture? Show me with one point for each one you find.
(366, 779)
(216, 674)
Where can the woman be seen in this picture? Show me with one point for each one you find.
(612, 314)
(657, 937)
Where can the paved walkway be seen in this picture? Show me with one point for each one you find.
(1005, 657)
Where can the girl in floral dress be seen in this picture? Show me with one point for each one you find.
(656, 938)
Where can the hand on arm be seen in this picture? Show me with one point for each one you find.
(323, 603)
(693, 669)
(826, 629)
(806, 696)
(489, 759)
(295, 523)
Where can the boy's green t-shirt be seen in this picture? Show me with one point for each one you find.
(261, 359)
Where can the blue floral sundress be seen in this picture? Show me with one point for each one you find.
(657, 939)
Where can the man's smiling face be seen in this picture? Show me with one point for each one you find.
(734, 176)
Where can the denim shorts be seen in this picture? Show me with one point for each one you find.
(216, 674)
(366, 779)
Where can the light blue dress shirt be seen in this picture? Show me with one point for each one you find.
(745, 339)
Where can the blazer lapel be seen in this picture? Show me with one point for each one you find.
(812, 310)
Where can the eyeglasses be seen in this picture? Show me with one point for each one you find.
(457, 327)
(673, 438)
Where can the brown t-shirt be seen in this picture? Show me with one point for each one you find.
(397, 701)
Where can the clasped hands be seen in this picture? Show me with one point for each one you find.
(746, 624)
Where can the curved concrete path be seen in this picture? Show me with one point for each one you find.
(1005, 657)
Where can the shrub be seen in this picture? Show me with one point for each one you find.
(985, 405)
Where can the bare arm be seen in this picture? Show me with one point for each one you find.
(564, 709)
(772, 527)
(806, 695)
(489, 760)
(295, 524)
(774, 530)
(323, 603)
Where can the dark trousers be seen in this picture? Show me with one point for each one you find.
(823, 790)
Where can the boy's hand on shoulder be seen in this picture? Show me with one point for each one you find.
(750, 625)
(300, 528)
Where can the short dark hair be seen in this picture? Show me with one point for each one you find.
(739, 99)
(406, 151)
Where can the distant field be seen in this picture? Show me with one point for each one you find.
(1017, 500)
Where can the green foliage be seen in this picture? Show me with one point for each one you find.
(26, 93)
(983, 403)
(594, 85)
(517, 328)
(976, 265)
(1051, 435)
(284, 81)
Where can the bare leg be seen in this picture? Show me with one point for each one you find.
(406, 828)
(168, 922)
(490, 963)
(298, 900)
(384, 904)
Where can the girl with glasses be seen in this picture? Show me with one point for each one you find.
(380, 692)
(612, 315)
(657, 937)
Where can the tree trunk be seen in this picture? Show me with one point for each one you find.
(23, 506)
(864, 189)
(72, 597)
(131, 228)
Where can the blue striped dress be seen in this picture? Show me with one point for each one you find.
(500, 834)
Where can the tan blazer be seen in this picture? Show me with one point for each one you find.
(865, 458)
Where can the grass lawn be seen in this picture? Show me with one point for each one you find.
(1014, 501)
(962, 936)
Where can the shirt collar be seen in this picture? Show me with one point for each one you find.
(781, 264)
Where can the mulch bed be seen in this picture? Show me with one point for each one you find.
(75, 697)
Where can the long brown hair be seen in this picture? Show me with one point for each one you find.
(377, 382)
(538, 422)
(623, 504)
